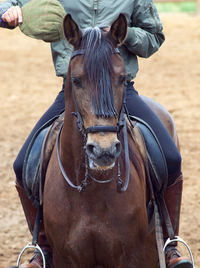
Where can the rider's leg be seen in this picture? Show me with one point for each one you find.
(55, 109)
(173, 193)
(137, 107)
(29, 210)
(30, 214)
(173, 196)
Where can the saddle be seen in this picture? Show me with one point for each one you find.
(42, 144)
(153, 154)
(155, 166)
(37, 158)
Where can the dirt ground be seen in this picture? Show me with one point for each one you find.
(28, 85)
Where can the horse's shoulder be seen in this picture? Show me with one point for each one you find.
(164, 115)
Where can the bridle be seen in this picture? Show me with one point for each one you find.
(121, 126)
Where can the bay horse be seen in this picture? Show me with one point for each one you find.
(89, 221)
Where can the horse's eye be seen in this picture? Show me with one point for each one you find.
(76, 81)
(122, 79)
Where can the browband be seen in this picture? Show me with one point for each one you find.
(82, 52)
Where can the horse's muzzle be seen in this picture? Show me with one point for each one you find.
(102, 158)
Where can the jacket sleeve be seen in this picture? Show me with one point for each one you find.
(144, 36)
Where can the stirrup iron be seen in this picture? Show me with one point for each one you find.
(179, 239)
(30, 245)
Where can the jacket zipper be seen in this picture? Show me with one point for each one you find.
(95, 6)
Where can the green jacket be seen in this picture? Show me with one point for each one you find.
(144, 36)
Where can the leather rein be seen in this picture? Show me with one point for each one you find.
(121, 126)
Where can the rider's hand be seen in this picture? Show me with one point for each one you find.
(13, 16)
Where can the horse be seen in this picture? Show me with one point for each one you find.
(92, 216)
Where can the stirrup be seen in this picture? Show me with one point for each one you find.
(179, 239)
(30, 245)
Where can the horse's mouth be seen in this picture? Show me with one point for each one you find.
(97, 165)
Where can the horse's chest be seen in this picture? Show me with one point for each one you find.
(103, 235)
(95, 239)
(101, 228)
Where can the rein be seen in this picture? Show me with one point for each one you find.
(121, 125)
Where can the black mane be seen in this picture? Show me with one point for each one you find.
(98, 71)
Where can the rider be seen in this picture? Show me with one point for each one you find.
(144, 38)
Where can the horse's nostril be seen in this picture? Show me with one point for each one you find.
(90, 148)
(118, 147)
(113, 151)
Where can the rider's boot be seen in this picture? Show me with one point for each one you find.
(30, 214)
(173, 197)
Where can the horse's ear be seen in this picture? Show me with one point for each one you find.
(118, 29)
(71, 31)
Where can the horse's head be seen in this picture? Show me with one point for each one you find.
(96, 77)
